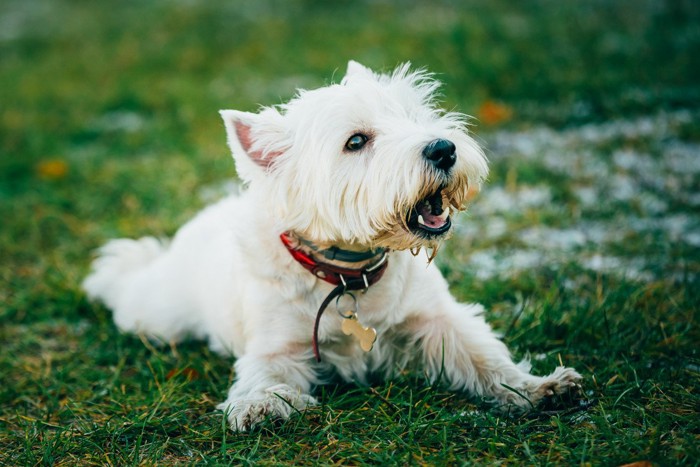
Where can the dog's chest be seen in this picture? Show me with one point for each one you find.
(354, 324)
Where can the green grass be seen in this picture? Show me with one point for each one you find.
(109, 127)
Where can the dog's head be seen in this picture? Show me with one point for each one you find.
(369, 162)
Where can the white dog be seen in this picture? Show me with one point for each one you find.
(344, 183)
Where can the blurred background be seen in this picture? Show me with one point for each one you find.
(108, 110)
(136, 77)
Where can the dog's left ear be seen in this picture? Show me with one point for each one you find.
(256, 140)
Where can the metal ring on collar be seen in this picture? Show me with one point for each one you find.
(349, 313)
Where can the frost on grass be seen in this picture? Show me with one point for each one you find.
(626, 203)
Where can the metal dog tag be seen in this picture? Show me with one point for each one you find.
(366, 336)
(351, 326)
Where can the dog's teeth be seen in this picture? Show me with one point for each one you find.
(445, 214)
(421, 221)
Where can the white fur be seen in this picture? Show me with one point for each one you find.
(227, 277)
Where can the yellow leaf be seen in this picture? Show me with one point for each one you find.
(52, 169)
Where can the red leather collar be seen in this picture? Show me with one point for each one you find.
(352, 279)
(344, 279)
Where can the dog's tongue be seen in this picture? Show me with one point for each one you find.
(430, 218)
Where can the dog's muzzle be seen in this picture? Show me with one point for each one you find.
(430, 217)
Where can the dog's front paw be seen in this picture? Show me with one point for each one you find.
(563, 381)
(541, 390)
(277, 402)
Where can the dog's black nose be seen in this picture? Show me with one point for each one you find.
(441, 153)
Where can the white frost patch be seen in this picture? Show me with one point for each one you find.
(634, 161)
(693, 199)
(119, 120)
(683, 158)
(629, 129)
(499, 200)
(631, 269)
(652, 204)
(487, 264)
(565, 239)
(693, 239)
(489, 227)
(216, 191)
(675, 227)
(624, 178)
(588, 195)
(23, 18)
(602, 263)
(623, 188)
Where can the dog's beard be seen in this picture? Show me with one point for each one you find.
(425, 220)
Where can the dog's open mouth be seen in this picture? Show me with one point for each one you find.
(430, 217)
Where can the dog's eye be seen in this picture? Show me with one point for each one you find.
(356, 142)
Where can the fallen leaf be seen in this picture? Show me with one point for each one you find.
(493, 113)
(190, 373)
(52, 169)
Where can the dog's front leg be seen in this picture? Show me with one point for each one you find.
(268, 385)
(460, 347)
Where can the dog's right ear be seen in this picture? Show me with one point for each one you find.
(356, 70)
(256, 140)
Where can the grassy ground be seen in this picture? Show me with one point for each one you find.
(585, 243)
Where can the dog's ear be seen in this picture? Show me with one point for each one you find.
(355, 70)
(256, 140)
